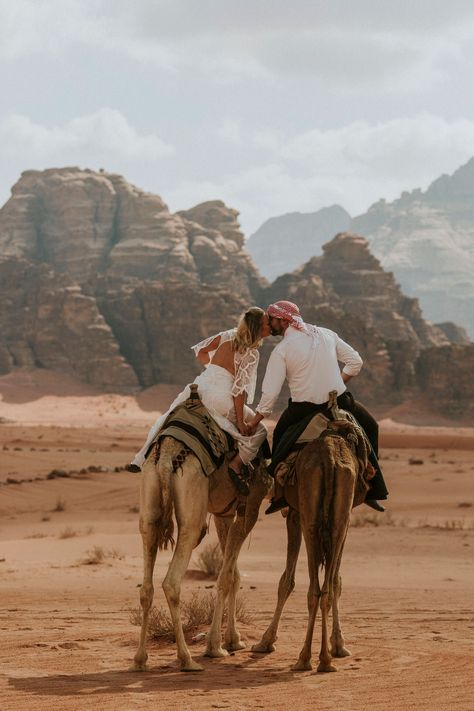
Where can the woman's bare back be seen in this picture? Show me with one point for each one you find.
(224, 357)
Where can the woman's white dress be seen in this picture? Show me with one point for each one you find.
(217, 388)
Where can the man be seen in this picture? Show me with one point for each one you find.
(308, 356)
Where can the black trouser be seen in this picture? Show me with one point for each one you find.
(296, 411)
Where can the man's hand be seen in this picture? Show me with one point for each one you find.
(254, 422)
(244, 429)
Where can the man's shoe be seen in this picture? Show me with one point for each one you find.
(277, 505)
(374, 504)
(240, 481)
(134, 468)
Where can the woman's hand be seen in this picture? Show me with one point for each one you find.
(243, 428)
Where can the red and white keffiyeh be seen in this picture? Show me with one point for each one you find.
(290, 312)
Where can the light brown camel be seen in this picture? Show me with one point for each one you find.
(192, 496)
(328, 484)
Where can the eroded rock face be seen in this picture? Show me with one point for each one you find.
(122, 267)
(47, 321)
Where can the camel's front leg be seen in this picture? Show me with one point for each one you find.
(227, 586)
(286, 584)
(338, 648)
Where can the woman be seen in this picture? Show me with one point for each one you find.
(231, 360)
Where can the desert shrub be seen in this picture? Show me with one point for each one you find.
(209, 560)
(98, 555)
(362, 520)
(68, 533)
(195, 612)
(60, 504)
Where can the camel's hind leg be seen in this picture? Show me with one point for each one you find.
(314, 595)
(286, 584)
(190, 492)
(338, 648)
(232, 641)
(228, 584)
(331, 587)
(150, 546)
(150, 507)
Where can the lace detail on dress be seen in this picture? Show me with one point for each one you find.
(245, 378)
(225, 336)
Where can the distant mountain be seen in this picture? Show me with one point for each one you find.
(283, 243)
(425, 238)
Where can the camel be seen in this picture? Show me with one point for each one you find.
(329, 482)
(192, 495)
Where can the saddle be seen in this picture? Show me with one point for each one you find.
(191, 424)
(319, 426)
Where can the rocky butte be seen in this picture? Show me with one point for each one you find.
(100, 280)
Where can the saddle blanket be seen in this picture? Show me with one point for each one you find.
(191, 424)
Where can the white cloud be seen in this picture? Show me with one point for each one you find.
(353, 166)
(102, 139)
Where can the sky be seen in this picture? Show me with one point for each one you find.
(271, 106)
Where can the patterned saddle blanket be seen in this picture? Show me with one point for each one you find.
(191, 424)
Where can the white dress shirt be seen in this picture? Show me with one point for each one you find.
(310, 364)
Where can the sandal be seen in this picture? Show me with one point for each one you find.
(240, 481)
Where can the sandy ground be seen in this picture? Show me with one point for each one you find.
(66, 640)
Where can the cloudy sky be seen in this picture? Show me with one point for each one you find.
(269, 105)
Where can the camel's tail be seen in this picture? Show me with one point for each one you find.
(328, 469)
(164, 520)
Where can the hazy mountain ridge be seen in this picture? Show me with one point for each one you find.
(425, 238)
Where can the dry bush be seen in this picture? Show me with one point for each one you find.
(209, 560)
(60, 504)
(68, 533)
(46, 518)
(134, 509)
(98, 555)
(450, 525)
(195, 612)
(37, 535)
(362, 520)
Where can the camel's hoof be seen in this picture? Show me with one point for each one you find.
(216, 653)
(341, 652)
(301, 666)
(326, 668)
(191, 666)
(263, 648)
(136, 667)
(234, 646)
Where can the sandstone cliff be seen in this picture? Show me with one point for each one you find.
(153, 281)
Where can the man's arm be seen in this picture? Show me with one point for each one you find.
(351, 359)
(275, 375)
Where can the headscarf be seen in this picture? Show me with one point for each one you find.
(288, 311)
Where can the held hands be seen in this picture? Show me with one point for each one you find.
(244, 429)
(253, 424)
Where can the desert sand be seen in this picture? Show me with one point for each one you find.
(66, 640)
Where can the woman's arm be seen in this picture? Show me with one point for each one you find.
(203, 354)
(239, 402)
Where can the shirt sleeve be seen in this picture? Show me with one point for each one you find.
(347, 355)
(273, 381)
(246, 374)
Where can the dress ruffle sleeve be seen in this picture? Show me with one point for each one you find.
(225, 336)
(245, 380)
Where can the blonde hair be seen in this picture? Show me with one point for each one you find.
(248, 330)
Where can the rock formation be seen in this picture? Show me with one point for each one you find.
(100, 280)
(153, 281)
